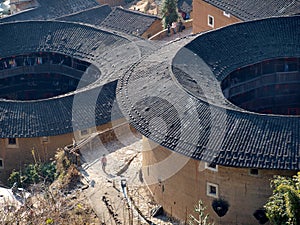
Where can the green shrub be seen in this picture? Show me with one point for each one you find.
(283, 207)
(33, 174)
(15, 177)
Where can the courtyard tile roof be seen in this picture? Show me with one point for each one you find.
(174, 98)
(254, 9)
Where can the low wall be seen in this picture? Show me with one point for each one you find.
(162, 34)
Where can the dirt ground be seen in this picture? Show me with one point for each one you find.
(112, 203)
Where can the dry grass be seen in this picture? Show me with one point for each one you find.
(62, 202)
(51, 207)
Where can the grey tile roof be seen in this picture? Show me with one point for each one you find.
(128, 21)
(185, 5)
(267, 41)
(94, 16)
(174, 97)
(68, 38)
(87, 106)
(54, 117)
(51, 9)
(254, 9)
(90, 12)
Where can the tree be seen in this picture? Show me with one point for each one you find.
(283, 207)
(202, 218)
(169, 12)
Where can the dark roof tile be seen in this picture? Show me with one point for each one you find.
(51, 9)
(208, 127)
(94, 16)
(83, 108)
(128, 21)
(256, 9)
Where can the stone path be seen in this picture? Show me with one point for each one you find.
(105, 192)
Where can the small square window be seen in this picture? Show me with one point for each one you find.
(212, 190)
(254, 172)
(211, 22)
(211, 166)
(12, 141)
(1, 164)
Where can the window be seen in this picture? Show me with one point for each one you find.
(212, 190)
(211, 21)
(12, 142)
(253, 172)
(226, 14)
(1, 164)
(211, 166)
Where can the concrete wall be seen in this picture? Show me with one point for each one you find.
(201, 10)
(178, 194)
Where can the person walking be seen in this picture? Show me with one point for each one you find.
(104, 163)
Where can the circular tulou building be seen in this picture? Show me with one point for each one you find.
(219, 113)
(57, 82)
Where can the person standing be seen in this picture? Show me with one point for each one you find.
(104, 162)
(174, 25)
(168, 30)
(180, 26)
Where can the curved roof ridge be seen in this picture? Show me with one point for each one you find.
(93, 104)
(51, 9)
(206, 127)
(129, 21)
(249, 9)
(94, 15)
